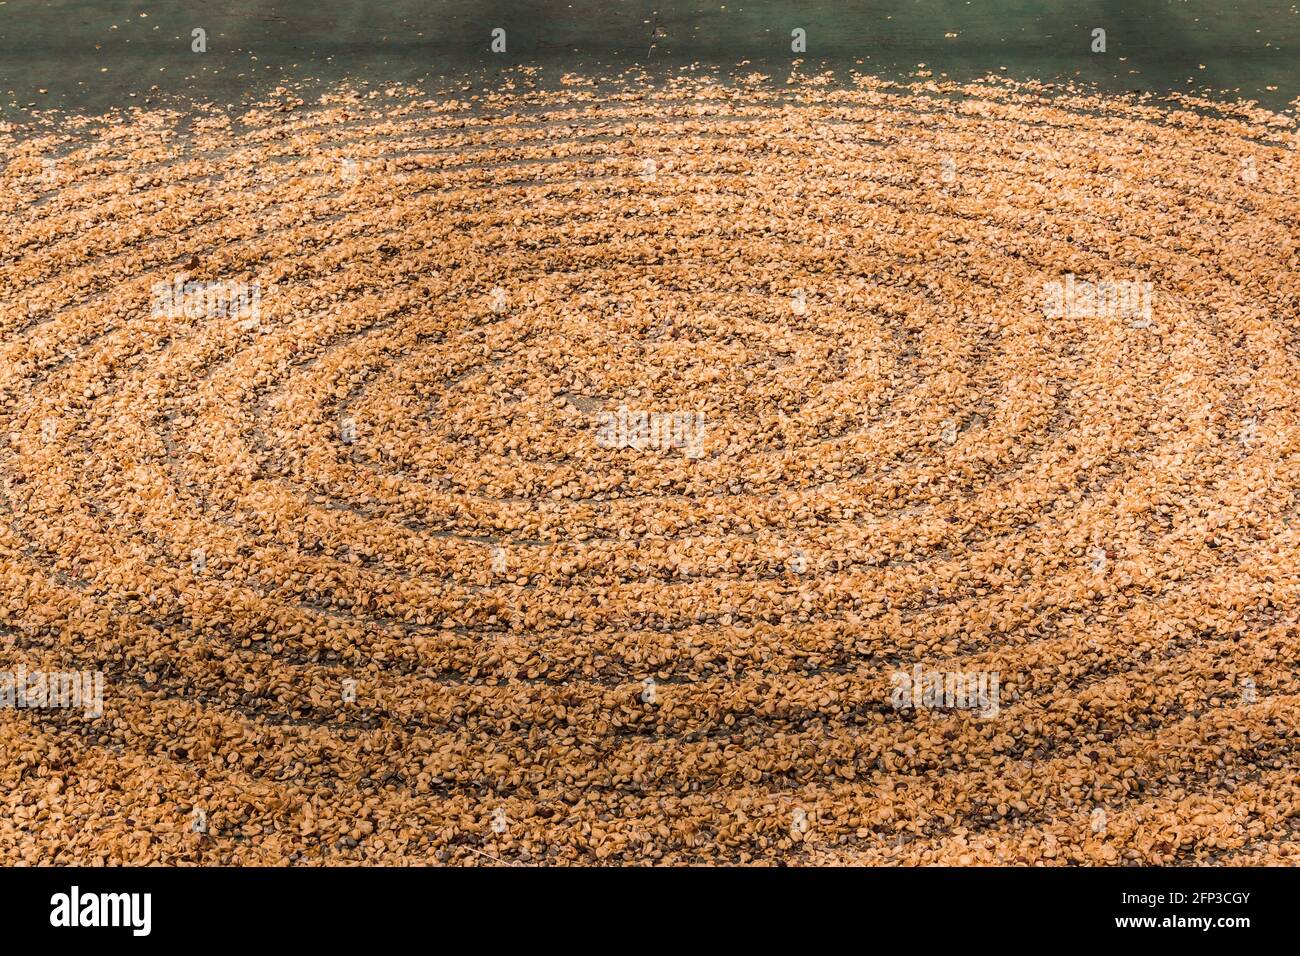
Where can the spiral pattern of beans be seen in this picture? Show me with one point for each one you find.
(365, 584)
